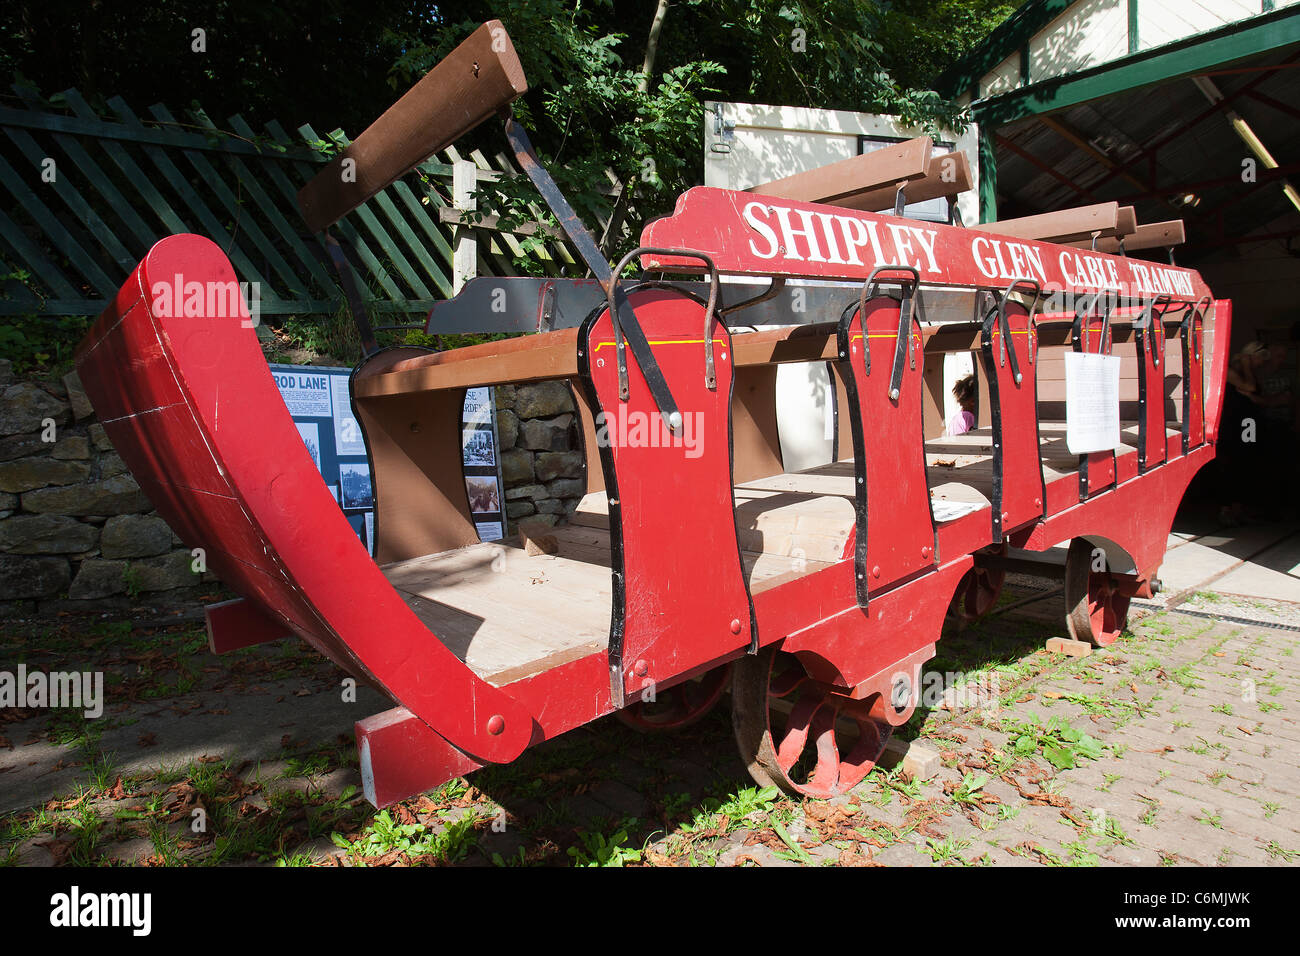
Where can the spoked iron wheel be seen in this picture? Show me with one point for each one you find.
(1097, 607)
(680, 705)
(977, 593)
(801, 735)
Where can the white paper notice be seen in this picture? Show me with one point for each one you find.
(944, 510)
(347, 433)
(478, 406)
(1091, 402)
(306, 394)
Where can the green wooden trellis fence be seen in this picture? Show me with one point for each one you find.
(87, 195)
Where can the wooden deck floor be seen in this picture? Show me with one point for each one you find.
(508, 615)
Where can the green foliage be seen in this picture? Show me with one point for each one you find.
(1063, 746)
(596, 850)
(41, 342)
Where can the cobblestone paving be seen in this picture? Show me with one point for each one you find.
(1179, 745)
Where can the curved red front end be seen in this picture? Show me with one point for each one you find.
(189, 403)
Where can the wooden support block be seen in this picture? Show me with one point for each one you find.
(1063, 645)
(919, 761)
(402, 756)
(537, 538)
(236, 624)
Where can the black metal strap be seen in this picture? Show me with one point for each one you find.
(360, 314)
(1189, 324)
(1084, 313)
(1153, 324)
(710, 315)
(1005, 344)
(621, 313)
(903, 346)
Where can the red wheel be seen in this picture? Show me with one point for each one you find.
(803, 736)
(977, 593)
(1097, 607)
(680, 706)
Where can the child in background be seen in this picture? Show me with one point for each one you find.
(967, 394)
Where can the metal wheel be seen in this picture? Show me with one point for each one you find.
(977, 593)
(1097, 608)
(801, 735)
(680, 706)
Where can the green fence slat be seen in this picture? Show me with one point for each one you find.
(35, 260)
(62, 239)
(243, 220)
(271, 165)
(405, 233)
(380, 235)
(91, 170)
(373, 266)
(242, 263)
(428, 224)
(135, 175)
(263, 202)
(62, 187)
(102, 129)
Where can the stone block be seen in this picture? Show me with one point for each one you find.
(28, 474)
(32, 577)
(46, 534)
(24, 407)
(542, 400)
(135, 536)
(118, 495)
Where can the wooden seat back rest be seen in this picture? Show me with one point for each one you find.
(1051, 382)
(473, 83)
(870, 181)
(947, 175)
(1066, 226)
(858, 175)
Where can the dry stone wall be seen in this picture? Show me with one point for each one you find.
(76, 531)
(541, 451)
(78, 534)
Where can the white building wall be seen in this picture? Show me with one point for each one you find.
(1088, 34)
(1094, 32)
(1164, 21)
